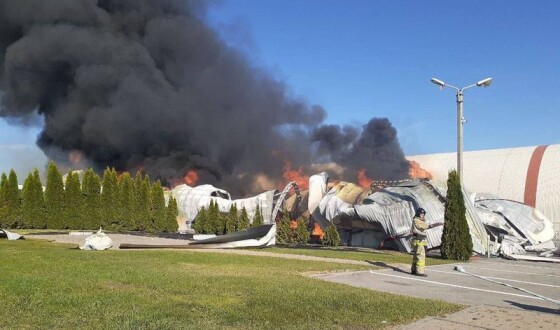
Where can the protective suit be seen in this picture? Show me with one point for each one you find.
(419, 227)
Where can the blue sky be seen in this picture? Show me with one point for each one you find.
(369, 58)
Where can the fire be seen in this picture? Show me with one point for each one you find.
(191, 177)
(317, 231)
(289, 175)
(417, 172)
(363, 180)
(140, 168)
(75, 157)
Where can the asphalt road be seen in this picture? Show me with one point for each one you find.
(444, 283)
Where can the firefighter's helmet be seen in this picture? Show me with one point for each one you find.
(420, 211)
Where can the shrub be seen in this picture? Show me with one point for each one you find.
(302, 233)
(456, 242)
(243, 222)
(283, 230)
(201, 222)
(257, 218)
(54, 198)
(171, 214)
(331, 236)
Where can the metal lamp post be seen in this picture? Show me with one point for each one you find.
(460, 120)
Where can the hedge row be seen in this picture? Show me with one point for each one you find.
(115, 202)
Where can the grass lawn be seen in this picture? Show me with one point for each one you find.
(47, 285)
(373, 256)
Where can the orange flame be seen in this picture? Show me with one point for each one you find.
(140, 168)
(363, 180)
(317, 231)
(417, 172)
(191, 177)
(293, 224)
(75, 157)
(119, 175)
(289, 175)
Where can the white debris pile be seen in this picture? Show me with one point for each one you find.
(9, 235)
(97, 241)
(517, 228)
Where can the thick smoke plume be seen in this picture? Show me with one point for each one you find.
(148, 84)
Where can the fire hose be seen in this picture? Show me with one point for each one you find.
(462, 270)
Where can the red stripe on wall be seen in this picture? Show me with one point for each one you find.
(532, 180)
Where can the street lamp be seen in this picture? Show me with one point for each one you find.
(460, 120)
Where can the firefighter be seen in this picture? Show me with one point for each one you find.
(419, 228)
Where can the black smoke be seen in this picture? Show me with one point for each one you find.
(149, 84)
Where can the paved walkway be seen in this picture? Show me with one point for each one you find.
(493, 305)
(488, 317)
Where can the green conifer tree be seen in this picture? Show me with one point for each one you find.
(302, 233)
(37, 211)
(456, 242)
(54, 198)
(214, 223)
(32, 202)
(27, 202)
(331, 236)
(243, 222)
(283, 230)
(91, 190)
(127, 203)
(200, 223)
(73, 202)
(3, 206)
(12, 201)
(158, 207)
(139, 222)
(109, 199)
(144, 205)
(231, 220)
(4, 180)
(257, 218)
(138, 179)
(172, 212)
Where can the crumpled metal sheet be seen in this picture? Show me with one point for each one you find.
(330, 207)
(518, 219)
(317, 189)
(190, 200)
(393, 209)
(394, 218)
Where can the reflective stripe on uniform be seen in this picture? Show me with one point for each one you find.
(420, 243)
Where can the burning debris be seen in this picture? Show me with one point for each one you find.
(149, 85)
(380, 216)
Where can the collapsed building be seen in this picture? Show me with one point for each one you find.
(528, 175)
(381, 217)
